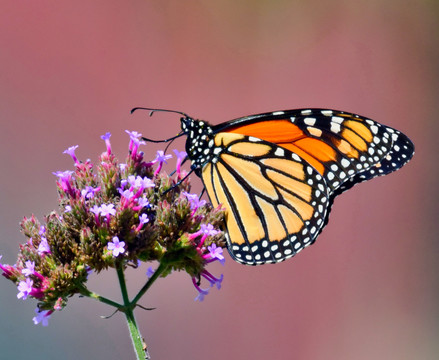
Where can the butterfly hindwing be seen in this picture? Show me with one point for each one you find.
(277, 203)
(401, 152)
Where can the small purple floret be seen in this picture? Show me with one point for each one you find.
(24, 287)
(116, 246)
(194, 200)
(106, 138)
(44, 246)
(42, 317)
(181, 155)
(71, 151)
(150, 272)
(29, 269)
(108, 209)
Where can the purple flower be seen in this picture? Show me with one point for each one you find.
(150, 272)
(108, 209)
(145, 182)
(64, 182)
(194, 200)
(71, 151)
(42, 317)
(143, 219)
(123, 183)
(29, 269)
(139, 182)
(143, 202)
(42, 230)
(95, 210)
(106, 138)
(89, 192)
(161, 158)
(212, 279)
(116, 246)
(44, 246)
(123, 167)
(67, 209)
(134, 135)
(134, 142)
(201, 292)
(89, 270)
(181, 155)
(208, 229)
(63, 175)
(24, 287)
(127, 194)
(205, 230)
(216, 252)
(131, 179)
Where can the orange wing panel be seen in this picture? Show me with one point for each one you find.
(288, 135)
(275, 131)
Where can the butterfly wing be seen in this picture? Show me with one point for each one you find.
(278, 173)
(276, 202)
(344, 148)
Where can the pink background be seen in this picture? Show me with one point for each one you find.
(369, 289)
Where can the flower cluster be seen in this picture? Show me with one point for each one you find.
(116, 215)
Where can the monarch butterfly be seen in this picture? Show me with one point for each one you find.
(277, 173)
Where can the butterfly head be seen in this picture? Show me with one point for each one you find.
(199, 141)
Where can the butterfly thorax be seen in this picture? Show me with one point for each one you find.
(199, 143)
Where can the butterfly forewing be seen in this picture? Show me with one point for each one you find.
(276, 202)
(338, 145)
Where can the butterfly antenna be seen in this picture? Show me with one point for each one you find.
(152, 111)
(169, 144)
(165, 140)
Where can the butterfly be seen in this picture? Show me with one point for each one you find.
(278, 173)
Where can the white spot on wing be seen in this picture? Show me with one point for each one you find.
(345, 162)
(279, 152)
(335, 127)
(296, 157)
(374, 129)
(309, 121)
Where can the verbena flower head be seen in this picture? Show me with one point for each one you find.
(113, 215)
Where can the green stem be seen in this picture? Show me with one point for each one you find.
(85, 292)
(136, 337)
(122, 283)
(162, 267)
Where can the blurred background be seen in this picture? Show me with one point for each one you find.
(368, 288)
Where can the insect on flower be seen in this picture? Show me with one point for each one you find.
(278, 173)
